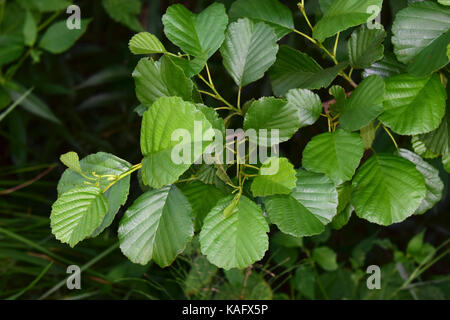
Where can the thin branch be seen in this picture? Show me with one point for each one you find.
(29, 182)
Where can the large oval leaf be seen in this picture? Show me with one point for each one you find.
(387, 189)
(308, 104)
(307, 209)
(238, 240)
(413, 105)
(248, 51)
(365, 47)
(170, 116)
(77, 213)
(336, 154)
(157, 226)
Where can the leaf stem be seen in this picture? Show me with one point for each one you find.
(123, 175)
(390, 135)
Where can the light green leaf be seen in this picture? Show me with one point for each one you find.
(418, 249)
(11, 47)
(387, 189)
(310, 206)
(325, 258)
(77, 213)
(157, 226)
(433, 182)
(294, 69)
(168, 116)
(145, 43)
(413, 105)
(202, 197)
(124, 12)
(29, 29)
(71, 160)
(337, 154)
(248, 51)
(58, 38)
(342, 218)
(279, 179)
(307, 103)
(200, 34)
(272, 114)
(438, 141)
(160, 79)
(366, 47)
(102, 164)
(364, 105)
(236, 241)
(420, 35)
(444, 2)
(343, 14)
(271, 12)
(421, 149)
(446, 162)
(368, 134)
(387, 67)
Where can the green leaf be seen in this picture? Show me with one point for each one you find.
(71, 160)
(342, 218)
(200, 34)
(102, 164)
(307, 103)
(438, 141)
(166, 117)
(418, 249)
(311, 205)
(11, 47)
(340, 96)
(272, 114)
(160, 79)
(280, 180)
(202, 197)
(433, 182)
(420, 148)
(413, 105)
(368, 134)
(446, 162)
(387, 67)
(366, 47)
(145, 43)
(31, 103)
(325, 258)
(29, 29)
(237, 241)
(124, 12)
(305, 280)
(58, 38)
(286, 240)
(364, 105)
(294, 69)
(248, 51)
(421, 34)
(157, 226)
(342, 15)
(387, 189)
(200, 275)
(77, 213)
(444, 2)
(337, 154)
(271, 12)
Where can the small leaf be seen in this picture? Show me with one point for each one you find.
(294, 69)
(387, 189)
(307, 209)
(325, 257)
(433, 182)
(336, 154)
(248, 51)
(58, 38)
(413, 105)
(167, 116)
(77, 213)
(270, 113)
(420, 148)
(71, 160)
(145, 43)
(29, 29)
(308, 104)
(342, 218)
(160, 79)
(200, 34)
(281, 181)
(364, 105)
(124, 12)
(368, 134)
(236, 241)
(343, 14)
(271, 12)
(11, 47)
(157, 226)
(366, 47)
(418, 249)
